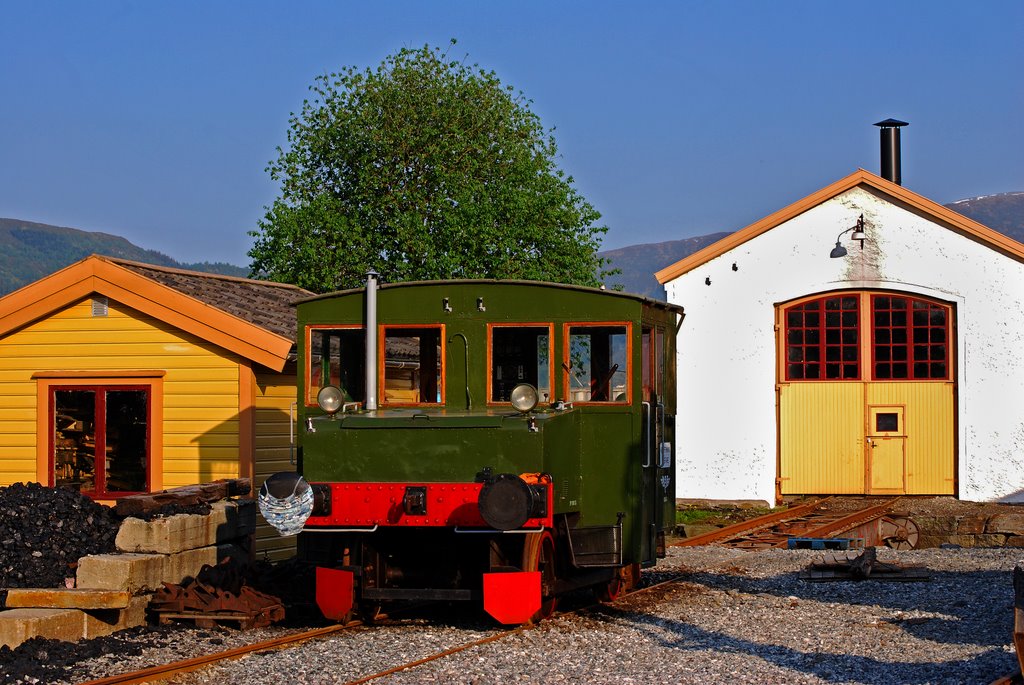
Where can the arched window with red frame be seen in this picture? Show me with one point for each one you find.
(904, 338)
(910, 338)
(823, 339)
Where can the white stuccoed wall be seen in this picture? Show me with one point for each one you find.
(727, 423)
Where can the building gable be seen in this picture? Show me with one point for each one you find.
(169, 295)
(895, 193)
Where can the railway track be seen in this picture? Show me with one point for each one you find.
(173, 669)
(814, 520)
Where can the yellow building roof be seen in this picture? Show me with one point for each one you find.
(254, 319)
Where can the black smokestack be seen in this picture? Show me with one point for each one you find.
(891, 149)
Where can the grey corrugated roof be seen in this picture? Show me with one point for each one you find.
(265, 304)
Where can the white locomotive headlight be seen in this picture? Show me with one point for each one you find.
(330, 399)
(524, 397)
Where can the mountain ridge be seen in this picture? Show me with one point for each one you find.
(30, 250)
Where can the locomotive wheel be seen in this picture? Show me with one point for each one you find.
(899, 532)
(626, 578)
(539, 555)
(611, 590)
(370, 611)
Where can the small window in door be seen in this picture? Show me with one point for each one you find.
(887, 422)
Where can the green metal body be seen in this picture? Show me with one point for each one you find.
(609, 462)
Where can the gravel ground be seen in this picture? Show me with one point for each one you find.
(733, 616)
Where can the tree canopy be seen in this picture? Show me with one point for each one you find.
(422, 169)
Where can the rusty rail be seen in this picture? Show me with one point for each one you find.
(165, 671)
(753, 525)
(811, 520)
(846, 523)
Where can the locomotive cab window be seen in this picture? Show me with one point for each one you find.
(596, 363)
(336, 356)
(519, 354)
(412, 360)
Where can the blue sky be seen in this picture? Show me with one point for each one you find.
(156, 120)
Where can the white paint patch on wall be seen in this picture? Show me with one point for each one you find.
(727, 359)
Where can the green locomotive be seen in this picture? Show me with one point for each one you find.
(494, 441)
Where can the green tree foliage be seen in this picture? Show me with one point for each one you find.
(422, 169)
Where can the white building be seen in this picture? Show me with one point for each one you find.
(893, 368)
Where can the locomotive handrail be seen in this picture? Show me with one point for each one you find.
(465, 342)
(291, 433)
(647, 435)
(342, 530)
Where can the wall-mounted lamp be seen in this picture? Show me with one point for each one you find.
(858, 234)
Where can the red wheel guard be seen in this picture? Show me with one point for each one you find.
(334, 592)
(512, 597)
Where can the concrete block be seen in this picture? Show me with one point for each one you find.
(107, 621)
(18, 625)
(64, 598)
(1011, 524)
(179, 566)
(134, 573)
(227, 521)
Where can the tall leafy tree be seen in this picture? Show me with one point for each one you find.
(422, 169)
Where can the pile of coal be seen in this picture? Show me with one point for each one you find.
(44, 531)
(42, 660)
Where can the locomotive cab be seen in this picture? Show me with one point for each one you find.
(489, 441)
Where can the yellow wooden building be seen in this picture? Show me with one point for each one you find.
(118, 377)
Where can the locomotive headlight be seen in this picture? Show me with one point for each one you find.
(524, 397)
(330, 399)
(506, 502)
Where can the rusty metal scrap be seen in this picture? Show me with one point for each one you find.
(218, 592)
(862, 566)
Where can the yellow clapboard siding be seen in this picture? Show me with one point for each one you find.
(14, 394)
(208, 414)
(820, 432)
(203, 442)
(97, 336)
(174, 400)
(227, 373)
(180, 454)
(20, 415)
(194, 427)
(65, 357)
(19, 439)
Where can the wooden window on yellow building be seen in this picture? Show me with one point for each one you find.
(101, 438)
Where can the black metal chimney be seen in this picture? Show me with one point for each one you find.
(891, 149)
